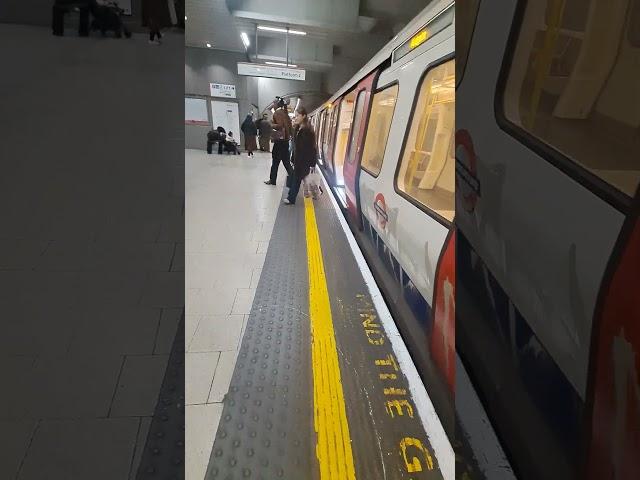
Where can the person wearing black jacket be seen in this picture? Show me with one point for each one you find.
(304, 153)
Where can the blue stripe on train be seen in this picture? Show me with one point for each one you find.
(548, 388)
(416, 302)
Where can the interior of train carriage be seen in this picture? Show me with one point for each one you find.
(427, 168)
(573, 84)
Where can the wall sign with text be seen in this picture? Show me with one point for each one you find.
(222, 90)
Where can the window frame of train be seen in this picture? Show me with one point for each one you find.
(395, 83)
(540, 146)
(465, 48)
(416, 97)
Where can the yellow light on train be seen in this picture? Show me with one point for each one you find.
(418, 39)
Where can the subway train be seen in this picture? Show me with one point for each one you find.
(386, 147)
(509, 238)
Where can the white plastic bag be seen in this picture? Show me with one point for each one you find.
(312, 184)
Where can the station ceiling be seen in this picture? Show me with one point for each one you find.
(354, 29)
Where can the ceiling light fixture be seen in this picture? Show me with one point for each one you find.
(280, 30)
(280, 64)
(245, 40)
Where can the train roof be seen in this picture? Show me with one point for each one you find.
(429, 12)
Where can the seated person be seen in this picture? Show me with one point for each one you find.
(107, 15)
(230, 144)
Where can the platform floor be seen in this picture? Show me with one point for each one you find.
(292, 370)
(229, 217)
(91, 268)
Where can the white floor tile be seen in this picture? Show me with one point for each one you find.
(243, 301)
(201, 425)
(199, 370)
(217, 333)
(213, 301)
(222, 376)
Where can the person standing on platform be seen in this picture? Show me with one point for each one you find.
(250, 132)
(281, 133)
(304, 153)
(265, 132)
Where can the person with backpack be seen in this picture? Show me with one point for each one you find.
(304, 153)
(281, 133)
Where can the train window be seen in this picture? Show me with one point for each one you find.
(573, 86)
(382, 108)
(344, 128)
(466, 14)
(426, 173)
(357, 121)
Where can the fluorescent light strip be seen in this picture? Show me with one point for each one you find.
(272, 29)
(245, 40)
(280, 64)
(280, 30)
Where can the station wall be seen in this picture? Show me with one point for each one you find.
(203, 66)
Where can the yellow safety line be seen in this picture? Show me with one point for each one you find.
(333, 447)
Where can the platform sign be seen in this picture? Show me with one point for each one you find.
(222, 90)
(259, 70)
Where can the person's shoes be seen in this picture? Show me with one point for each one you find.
(286, 201)
(269, 182)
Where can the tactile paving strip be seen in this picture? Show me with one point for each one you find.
(163, 454)
(389, 440)
(266, 428)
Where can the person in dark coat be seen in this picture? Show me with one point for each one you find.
(250, 132)
(304, 153)
(212, 137)
(264, 127)
(281, 134)
(222, 136)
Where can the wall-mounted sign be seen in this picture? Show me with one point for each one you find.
(259, 70)
(222, 90)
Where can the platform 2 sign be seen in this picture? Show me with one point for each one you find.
(259, 70)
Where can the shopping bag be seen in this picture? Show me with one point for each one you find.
(313, 184)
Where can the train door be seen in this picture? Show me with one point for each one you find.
(342, 135)
(320, 133)
(329, 136)
(352, 162)
(546, 176)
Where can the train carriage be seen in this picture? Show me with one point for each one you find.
(532, 275)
